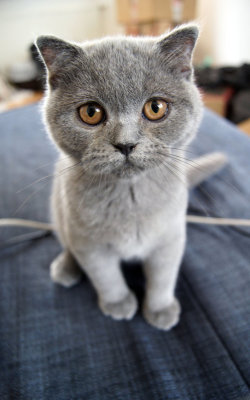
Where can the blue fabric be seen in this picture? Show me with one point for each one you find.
(56, 344)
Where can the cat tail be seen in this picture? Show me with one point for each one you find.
(203, 167)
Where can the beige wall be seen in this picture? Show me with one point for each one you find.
(225, 32)
(225, 26)
(21, 21)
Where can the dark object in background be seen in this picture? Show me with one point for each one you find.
(212, 78)
(30, 75)
(239, 106)
(208, 78)
(235, 78)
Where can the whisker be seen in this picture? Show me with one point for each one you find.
(51, 163)
(183, 150)
(165, 176)
(47, 177)
(38, 190)
(26, 200)
(34, 182)
(195, 165)
(178, 177)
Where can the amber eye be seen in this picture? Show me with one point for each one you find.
(92, 113)
(155, 109)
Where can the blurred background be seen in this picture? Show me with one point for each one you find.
(222, 57)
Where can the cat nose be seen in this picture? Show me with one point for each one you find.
(125, 148)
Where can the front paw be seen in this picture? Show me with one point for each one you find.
(64, 271)
(164, 319)
(123, 309)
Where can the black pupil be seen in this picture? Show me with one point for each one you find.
(155, 107)
(91, 110)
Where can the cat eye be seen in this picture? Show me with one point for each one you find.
(155, 109)
(92, 113)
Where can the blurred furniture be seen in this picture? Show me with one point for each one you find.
(226, 90)
(20, 98)
(154, 17)
(217, 100)
(56, 344)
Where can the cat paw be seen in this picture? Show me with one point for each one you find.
(124, 309)
(63, 270)
(164, 319)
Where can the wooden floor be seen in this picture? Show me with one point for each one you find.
(245, 126)
(21, 99)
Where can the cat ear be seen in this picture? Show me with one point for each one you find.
(56, 54)
(177, 49)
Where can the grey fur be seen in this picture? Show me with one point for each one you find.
(105, 209)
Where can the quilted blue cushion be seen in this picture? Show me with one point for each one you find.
(56, 344)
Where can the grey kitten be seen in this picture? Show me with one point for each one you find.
(122, 109)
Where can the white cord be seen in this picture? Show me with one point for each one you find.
(26, 223)
(193, 219)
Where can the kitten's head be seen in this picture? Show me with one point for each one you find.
(120, 104)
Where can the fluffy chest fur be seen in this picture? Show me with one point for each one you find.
(129, 216)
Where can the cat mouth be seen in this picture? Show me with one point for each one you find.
(128, 163)
(128, 169)
(122, 168)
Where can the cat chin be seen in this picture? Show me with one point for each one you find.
(127, 173)
(128, 170)
(121, 169)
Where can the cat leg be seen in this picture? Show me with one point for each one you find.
(114, 297)
(161, 308)
(64, 270)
